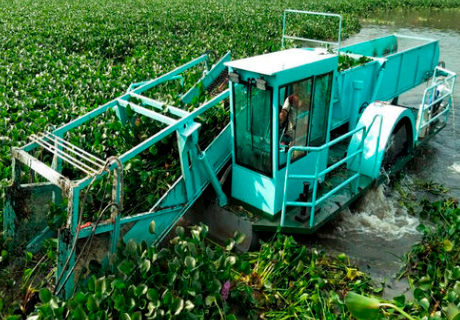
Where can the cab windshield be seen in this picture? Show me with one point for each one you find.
(253, 127)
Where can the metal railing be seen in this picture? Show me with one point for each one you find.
(314, 202)
(440, 89)
(332, 15)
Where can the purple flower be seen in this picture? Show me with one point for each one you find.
(225, 290)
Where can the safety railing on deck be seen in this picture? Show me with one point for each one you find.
(330, 15)
(437, 101)
(355, 177)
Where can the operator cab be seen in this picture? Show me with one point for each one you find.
(278, 100)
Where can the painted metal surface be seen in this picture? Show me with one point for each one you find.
(436, 103)
(196, 165)
(319, 176)
(393, 65)
(390, 71)
(378, 136)
(312, 13)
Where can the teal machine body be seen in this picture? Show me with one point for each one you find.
(306, 138)
(260, 88)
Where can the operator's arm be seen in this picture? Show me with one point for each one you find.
(284, 111)
(283, 116)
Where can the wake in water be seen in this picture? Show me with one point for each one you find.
(455, 167)
(380, 215)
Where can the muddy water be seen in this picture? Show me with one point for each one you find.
(377, 232)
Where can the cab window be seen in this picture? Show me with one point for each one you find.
(294, 116)
(253, 127)
(320, 111)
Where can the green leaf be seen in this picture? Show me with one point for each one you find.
(210, 300)
(125, 316)
(342, 257)
(455, 273)
(126, 267)
(425, 283)
(453, 313)
(92, 304)
(153, 295)
(118, 284)
(189, 305)
(92, 284)
(4, 255)
(141, 290)
(136, 316)
(131, 248)
(448, 246)
(80, 298)
(400, 300)
(424, 303)
(79, 314)
(180, 231)
(361, 307)
(190, 262)
(239, 237)
(457, 287)
(29, 256)
(45, 295)
(120, 302)
(177, 306)
(101, 285)
(27, 274)
(145, 266)
(167, 298)
(196, 234)
(230, 261)
(152, 227)
(300, 267)
(230, 244)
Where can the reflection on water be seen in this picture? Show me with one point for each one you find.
(378, 231)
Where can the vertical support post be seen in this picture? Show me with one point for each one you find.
(57, 165)
(355, 185)
(355, 104)
(222, 198)
(378, 83)
(67, 246)
(377, 146)
(283, 208)
(117, 196)
(9, 213)
(193, 146)
(284, 30)
(187, 140)
(185, 164)
(121, 114)
(419, 122)
(315, 190)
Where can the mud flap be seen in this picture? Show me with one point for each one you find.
(380, 121)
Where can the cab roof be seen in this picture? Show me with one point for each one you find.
(275, 62)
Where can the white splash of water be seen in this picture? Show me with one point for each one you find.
(455, 167)
(379, 215)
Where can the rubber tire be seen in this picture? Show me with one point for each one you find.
(398, 145)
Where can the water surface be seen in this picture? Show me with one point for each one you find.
(377, 232)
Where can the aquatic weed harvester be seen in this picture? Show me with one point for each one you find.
(305, 140)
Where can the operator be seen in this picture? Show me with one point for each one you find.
(288, 113)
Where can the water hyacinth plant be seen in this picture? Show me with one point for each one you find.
(60, 59)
